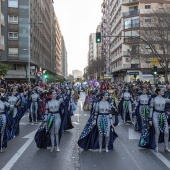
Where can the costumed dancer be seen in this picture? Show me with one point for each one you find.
(142, 111)
(2, 123)
(125, 105)
(54, 120)
(94, 132)
(88, 100)
(34, 105)
(158, 118)
(14, 113)
(104, 120)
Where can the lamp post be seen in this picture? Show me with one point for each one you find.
(29, 53)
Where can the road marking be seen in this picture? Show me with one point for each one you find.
(162, 158)
(28, 123)
(133, 135)
(15, 158)
(76, 123)
(133, 159)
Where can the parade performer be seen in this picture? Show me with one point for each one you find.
(14, 113)
(101, 134)
(142, 110)
(158, 118)
(125, 105)
(3, 104)
(66, 109)
(88, 99)
(34, 105)
(49, 132)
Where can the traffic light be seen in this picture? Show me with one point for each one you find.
(45, 75)
(155, 71)
(98, 37)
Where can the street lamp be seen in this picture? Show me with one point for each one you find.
(28, 69)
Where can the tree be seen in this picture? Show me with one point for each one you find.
(3, 69)
(96, 67)
(156, 31)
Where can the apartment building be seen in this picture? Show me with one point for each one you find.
(105, 30)
(2, 24)
(58, 48)
(92, 54)
(29, 38)
(126, 63)
(64, 58)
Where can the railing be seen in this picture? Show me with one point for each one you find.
(132, 25)
(131, 40)
(2, 16)
(129, 13)
(2, 40)
(129, 1)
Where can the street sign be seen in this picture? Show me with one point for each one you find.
(101, 77)
(39, 74)
(154, 61)
(133, 73)
(108, 76)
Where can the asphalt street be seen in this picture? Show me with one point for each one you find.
(22, 153)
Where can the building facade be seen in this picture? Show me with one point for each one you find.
(105, 30)
(126, 61)
(92, 53)
(58, 48)
(2, 24)
(77, 74)
(64, 58)
(30, 38)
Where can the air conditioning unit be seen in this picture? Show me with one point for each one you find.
(127, 59)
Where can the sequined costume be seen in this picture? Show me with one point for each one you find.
(104, 121)
(125, 106)
(2, 123)
(88, 99)
(54, 120)
(159, 119)
(142, 106)
(34, 106)
(15, 114)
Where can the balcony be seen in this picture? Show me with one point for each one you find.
(134, 66)
(132, 25)
(129, 2)
(17, 74)
(2, 46)
(2, 19)
(131, 13)
(131, 40)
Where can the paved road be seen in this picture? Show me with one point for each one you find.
(22, 153)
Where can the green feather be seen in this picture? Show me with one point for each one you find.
(126, 105)
(50, 122)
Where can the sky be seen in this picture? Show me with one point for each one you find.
(77, 20)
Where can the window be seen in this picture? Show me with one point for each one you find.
(147, 6)
(13, 3)
(13, 51)
(13, 19)
(13, 35)
(161, 6)
(148, 19)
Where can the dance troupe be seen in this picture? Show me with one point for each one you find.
(53, 104)
(145, 106)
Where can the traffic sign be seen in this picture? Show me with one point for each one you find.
(108, 76)
(39, 74)
(154, 61)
